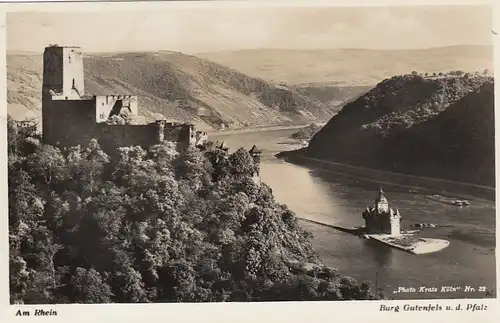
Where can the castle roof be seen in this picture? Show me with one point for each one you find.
(223, 146)
(381, 197)
(254, 150)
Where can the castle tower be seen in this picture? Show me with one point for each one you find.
(381, 203)
(255, 153)
(395, 223)
(381, 219)
(63, 72)
(62, 80)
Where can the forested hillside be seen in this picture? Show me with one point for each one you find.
(439, 126)
(154, 226)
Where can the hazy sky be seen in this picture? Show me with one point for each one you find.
(215, 29)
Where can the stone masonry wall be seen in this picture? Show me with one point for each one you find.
(68, 123)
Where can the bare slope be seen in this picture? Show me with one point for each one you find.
(179, 86)
(437, 127)
(351, 66)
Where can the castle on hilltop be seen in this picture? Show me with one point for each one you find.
(380, 219)
(70, 117)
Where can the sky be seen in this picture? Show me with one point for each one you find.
(221, 29)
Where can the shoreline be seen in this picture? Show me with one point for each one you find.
(410, 182)
(420, 247)
(244, 130)
(253, 130)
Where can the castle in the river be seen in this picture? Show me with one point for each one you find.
(380, 218)
(70, 117)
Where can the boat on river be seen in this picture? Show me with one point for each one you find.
(448, 200)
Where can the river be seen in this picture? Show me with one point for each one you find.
(339, 200)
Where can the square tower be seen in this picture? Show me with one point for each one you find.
(63, 72)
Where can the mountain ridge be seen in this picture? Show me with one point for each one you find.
(404, 124)
(350, 66)
(179, 86)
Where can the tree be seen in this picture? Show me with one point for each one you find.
(46, 166)
(241, 163)
(88, 287)
(165, 226)
(87, 167)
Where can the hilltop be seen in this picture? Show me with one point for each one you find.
(439, 127)
(179, 86)
(352, 67)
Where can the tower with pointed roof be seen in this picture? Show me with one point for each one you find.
(381, 203)
(380, 218)
(255, 153)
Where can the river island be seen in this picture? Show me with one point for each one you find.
(383, 224)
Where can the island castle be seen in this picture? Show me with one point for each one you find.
(70, 117)
(379, 218)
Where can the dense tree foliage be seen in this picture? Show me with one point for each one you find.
(154, 226)
(439, 127)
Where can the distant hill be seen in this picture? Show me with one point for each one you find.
(179, 86)
(438, 127)
(350, 66)
(330, 95)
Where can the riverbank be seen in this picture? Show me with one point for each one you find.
(410, 182)
(234, 131)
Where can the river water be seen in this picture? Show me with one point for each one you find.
(335, 199)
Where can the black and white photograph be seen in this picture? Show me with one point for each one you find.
(209, 154)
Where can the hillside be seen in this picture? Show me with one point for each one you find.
(166, 226)
(438, 127)
(350, 66)
(307, 132)
(331, 95)
(180, 87)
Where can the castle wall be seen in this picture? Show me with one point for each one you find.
(181, 133)
(70, 118)
(395, 225)
(105, 104)
(111, 137)
(201, 138)
(52, 70)
(378, 223)
(68, 122)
